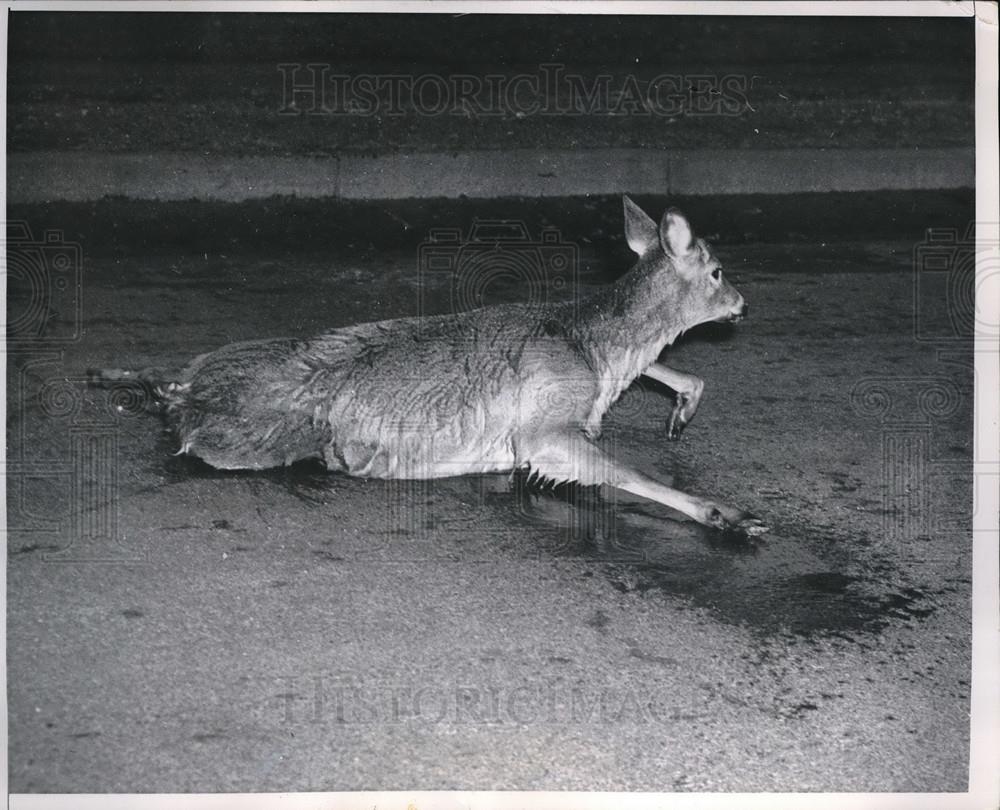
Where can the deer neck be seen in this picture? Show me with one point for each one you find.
(630, 322)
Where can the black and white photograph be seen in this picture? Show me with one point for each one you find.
(501, 405)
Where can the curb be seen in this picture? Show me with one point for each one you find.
(35, 177)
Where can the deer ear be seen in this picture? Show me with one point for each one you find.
(675, 233)
(640, 230)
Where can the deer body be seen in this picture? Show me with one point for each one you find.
(486, 390)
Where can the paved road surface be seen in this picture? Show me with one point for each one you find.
(292, 630)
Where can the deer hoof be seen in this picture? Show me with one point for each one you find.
(674, 429)
(751, 527)
(736, 521)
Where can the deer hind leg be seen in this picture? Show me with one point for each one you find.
(689, 389)
(571, 457)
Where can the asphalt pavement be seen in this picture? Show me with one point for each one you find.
(172, 628)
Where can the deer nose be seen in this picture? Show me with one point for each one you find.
(745, 311)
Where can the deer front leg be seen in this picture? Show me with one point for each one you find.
(689, 389)
(566, 456)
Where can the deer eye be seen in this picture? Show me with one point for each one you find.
(717, 273)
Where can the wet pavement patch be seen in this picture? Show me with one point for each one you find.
(776, 586)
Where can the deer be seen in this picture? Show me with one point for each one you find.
(495, 389)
